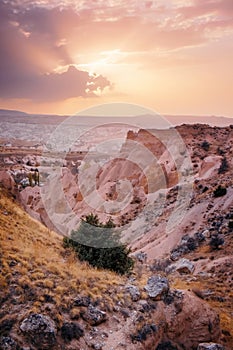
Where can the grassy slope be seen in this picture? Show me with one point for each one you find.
(35, 267)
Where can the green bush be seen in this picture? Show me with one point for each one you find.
(99, 244)
(216, 241)
(205, 145)
(220, 191)
(224, 166)
(230, 224)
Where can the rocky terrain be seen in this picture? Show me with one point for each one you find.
(49, 300)
(169, 192)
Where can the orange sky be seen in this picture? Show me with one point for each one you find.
(174, 56)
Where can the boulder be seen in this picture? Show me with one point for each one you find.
(183, 266)
(167, 345)
(40, 331)
(175, 254)
(156, 287)
(146, 330)
(201, 236)
(210, 346)
(71, 330)
(134, 292)
(97, 346)
(94, 316)
(192, 323)
(207, 233)
(82, 301)
(7, 343)
(141, 257)
(7, 181)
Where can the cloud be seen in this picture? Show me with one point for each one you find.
(37, 37)
(30, 51)
(129, 25)
(210, 10)
(56, 86)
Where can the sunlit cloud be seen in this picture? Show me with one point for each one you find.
(96, 49)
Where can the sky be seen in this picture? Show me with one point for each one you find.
(62, 56)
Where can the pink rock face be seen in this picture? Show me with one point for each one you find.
(196, 323)
(7, 181)
(185, 321)
(209, 167)
(155, 143)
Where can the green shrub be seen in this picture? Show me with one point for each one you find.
(230, 224)
(224, 166)
(205, 145)
(216, 241)
(220, 191)
(99, 244)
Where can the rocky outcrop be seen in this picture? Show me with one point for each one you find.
(183, 266)
(71, 330)
(180, 320)
(141, 257)
(7, 343)
(192, 322)
(209, 167)
(166, 345)
(165, 319)
(82, 301)
(156, 287)
(134, 292)
(40, 330)
(7, 181)
(144, 332)
(210, 346)
(94, 316)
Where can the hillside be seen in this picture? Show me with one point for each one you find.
(39, 275)
(170, 193)
(50, 300)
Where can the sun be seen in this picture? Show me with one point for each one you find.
(100, 62)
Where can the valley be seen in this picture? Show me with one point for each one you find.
(170, 195)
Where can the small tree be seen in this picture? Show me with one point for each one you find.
(220, 191)
(99, 244)
(205, 145)
(216, 241)
(230, 224)
(224, 166)
(191, 244)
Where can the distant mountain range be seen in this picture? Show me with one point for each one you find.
(142, 121)
(210, 120)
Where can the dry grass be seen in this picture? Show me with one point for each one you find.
(33, 259)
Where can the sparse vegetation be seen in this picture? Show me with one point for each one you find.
(220, 151)
(205, 145)
(230, 224)
(216, 241)
(224, 166)
(220, 191)
(188, 244)
(167, 345)
(141, 335)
